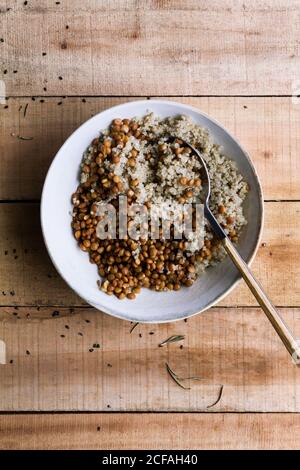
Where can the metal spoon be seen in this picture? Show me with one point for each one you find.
(286, 336)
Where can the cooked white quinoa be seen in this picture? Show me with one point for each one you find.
(158, 179)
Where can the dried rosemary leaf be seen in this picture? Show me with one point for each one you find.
(175, 377)
(21, 137)
(193, 377)
(172, 339)
(133, 327)
(24, 138)
(25, 109)
(219, 397)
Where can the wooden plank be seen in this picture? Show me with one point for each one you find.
(56, 366)
(28, 277)
(46, 6)
(149, 48)
(272, 138)
(127, 431)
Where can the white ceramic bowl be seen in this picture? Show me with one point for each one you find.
(73, 264)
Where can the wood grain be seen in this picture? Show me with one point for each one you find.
(56, 365)
(128, 431)
(27, 277)
(267, 127)
(150, 47)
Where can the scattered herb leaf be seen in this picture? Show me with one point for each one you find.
(133, 327)
(25, 109)
(21, 137)
(192, 377)
(172, 339)
(218, 399)
(175, 377)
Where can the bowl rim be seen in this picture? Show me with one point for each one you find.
(187, 107)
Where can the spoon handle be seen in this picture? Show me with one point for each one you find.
(290, 342)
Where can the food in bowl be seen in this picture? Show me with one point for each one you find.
(133, 158)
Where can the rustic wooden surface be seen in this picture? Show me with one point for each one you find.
(237, 61)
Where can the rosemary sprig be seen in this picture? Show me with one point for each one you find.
(193, 377)
(24, 138)
(172, 339)
(133, 327)
(175, 377)
(218, 399)
(21, 137)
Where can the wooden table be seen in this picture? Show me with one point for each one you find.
(62, 62)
